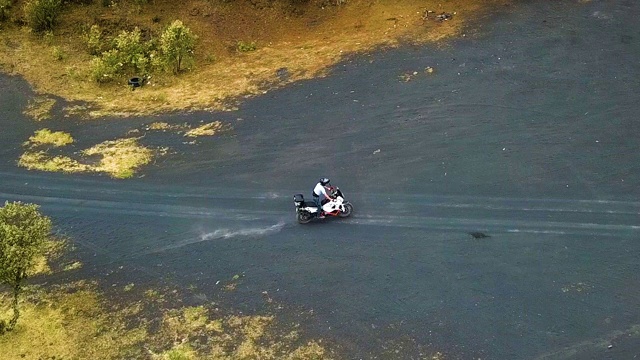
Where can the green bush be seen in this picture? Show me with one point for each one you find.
(58, 53)
(132, 51)
(177, 44)
(106, 68)
(93, 39)
(246, 46)
(41, 15)
(130, 55)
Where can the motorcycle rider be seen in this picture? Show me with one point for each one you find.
(320, 193)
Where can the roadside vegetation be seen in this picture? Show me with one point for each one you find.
(134, 57)
(202, 54)
(26, 246)
(77, 321)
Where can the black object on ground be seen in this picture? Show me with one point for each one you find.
(135, 82)
(479, 235)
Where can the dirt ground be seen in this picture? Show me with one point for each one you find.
(293, 42)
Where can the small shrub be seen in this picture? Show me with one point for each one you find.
(106, 68)
(73, 73)
(48, 37)
(57, 53)
(42, 15)
(243, 46)
(93, 39)
(131, 50)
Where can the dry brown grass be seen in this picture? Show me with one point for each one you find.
(306, 45)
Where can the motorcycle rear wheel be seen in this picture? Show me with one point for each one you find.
(348, 209)
(303, 217)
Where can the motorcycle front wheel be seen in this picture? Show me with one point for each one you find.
(348, 209)
(303, 217)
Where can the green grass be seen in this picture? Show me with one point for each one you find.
(40, 160)
(69, 324)
(119, 158)
(48, 137)
(78, 322)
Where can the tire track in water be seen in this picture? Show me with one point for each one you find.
(221, 234)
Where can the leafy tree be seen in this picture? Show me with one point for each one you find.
(42, 14)
(177, 44)
(24, 233)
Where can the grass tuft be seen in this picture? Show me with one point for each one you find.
(40, 160)
(209, 129)
(120, 157)
(39, 108)
(73, 266)
(48, 137)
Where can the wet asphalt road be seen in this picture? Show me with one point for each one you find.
(527, 131)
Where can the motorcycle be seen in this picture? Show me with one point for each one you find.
(337, 206)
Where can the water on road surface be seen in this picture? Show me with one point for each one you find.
(526, 133)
